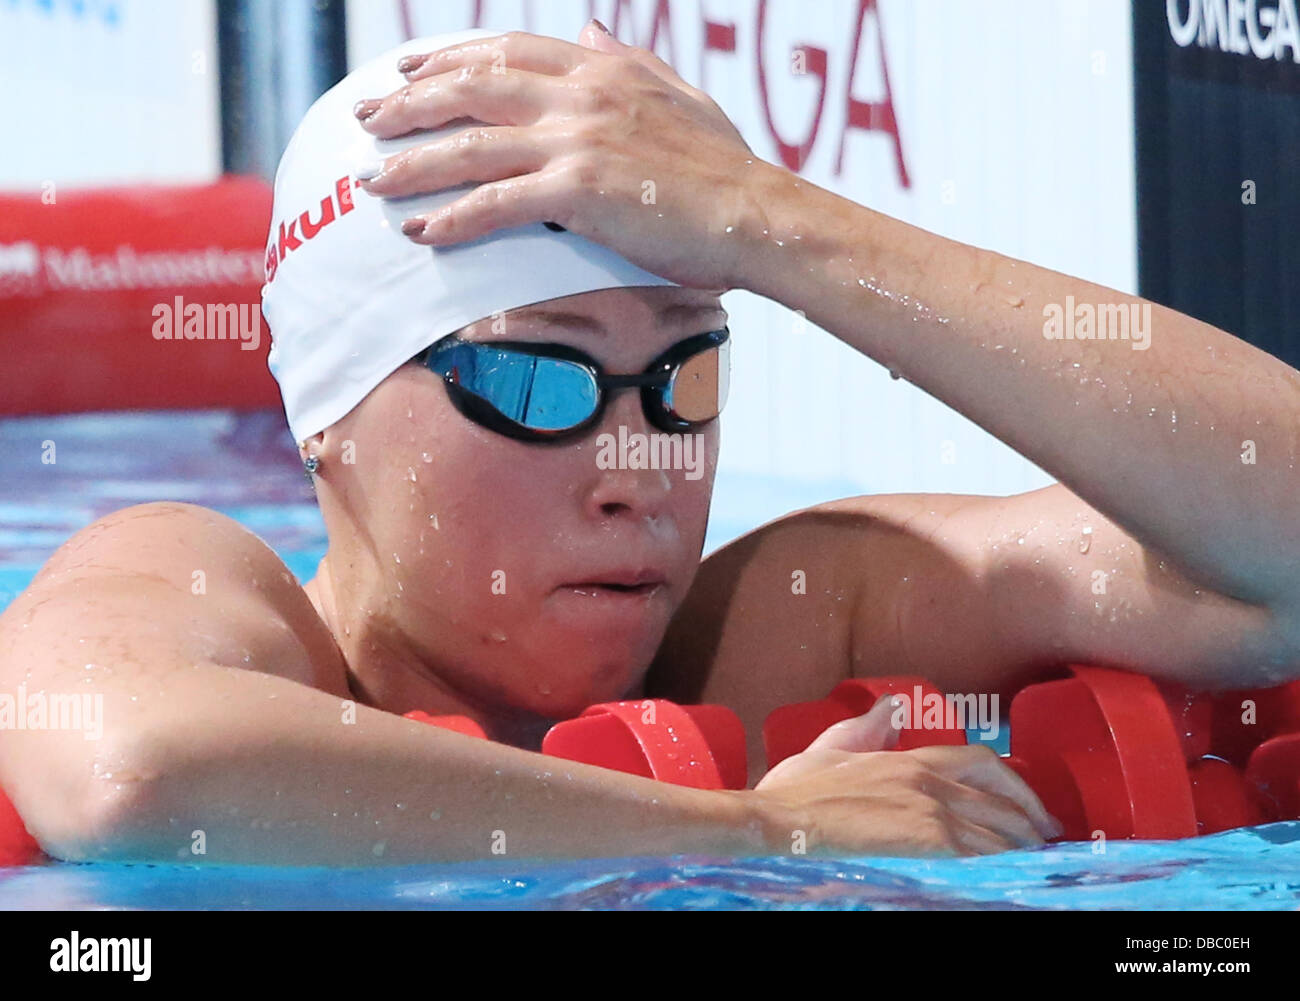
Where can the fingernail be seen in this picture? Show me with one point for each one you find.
(1058, 829)
(601, 26)
(413, 227)
(409, 64)
(369, 170)
(366, 109)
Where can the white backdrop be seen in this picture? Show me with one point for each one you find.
(108, 91)
(1016, 125)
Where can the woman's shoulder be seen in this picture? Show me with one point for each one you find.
(177, 571)
(182, 544)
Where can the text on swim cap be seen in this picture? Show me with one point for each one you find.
(289, 241)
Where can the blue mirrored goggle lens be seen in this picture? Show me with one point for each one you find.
(546, 394)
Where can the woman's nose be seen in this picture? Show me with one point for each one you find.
(626, 477)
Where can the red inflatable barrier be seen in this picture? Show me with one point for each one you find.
(140, 297)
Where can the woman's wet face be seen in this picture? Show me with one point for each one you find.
(523, 574)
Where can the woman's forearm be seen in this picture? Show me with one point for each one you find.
(1184, 435)
(261, 770)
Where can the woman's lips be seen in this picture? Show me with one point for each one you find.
(633, 581)
(629, 595)
(595, 587)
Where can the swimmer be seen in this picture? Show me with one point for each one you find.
(482, 562)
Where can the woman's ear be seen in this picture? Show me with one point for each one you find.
(310, 450)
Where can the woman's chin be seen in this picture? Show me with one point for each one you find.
(561, 698)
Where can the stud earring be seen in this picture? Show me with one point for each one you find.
(311, 464)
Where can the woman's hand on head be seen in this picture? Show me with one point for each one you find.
(602, 138)
(844, 794)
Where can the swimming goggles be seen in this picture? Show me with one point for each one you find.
(551, 392)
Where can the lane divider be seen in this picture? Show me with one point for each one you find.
(1105, 750)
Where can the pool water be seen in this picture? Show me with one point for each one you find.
(246, 466)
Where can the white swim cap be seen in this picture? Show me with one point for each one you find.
(349, 299)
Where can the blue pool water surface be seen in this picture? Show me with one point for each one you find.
(246, 466)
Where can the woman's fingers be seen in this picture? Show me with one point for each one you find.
(514, 50)
(501, 204)
(511, 97)
(592, 37)
(872, 731)
(983, 769)
(994, 815)
(606, 118)
(979, 840)
(486, 153)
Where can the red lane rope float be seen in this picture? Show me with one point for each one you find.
(1110, 736)
(789, 729)
(1274, 769)
(17, 847)
(1104, 750)
(698, 746)
(460, 724)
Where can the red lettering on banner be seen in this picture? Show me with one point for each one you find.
(718, 37)
(663, 18)
(873, 116)
(721, 36)
(794, 157)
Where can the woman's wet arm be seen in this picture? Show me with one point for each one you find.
(1183, 434)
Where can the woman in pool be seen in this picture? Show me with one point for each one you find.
(474, 570)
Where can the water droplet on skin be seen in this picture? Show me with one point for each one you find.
(895, 373)
(434, 518)
(396, 558)
(379, 848)
(1085, 543)
(410, 474)
(425, 456)
(500, 637)
(435, 815)
(1015, 300)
